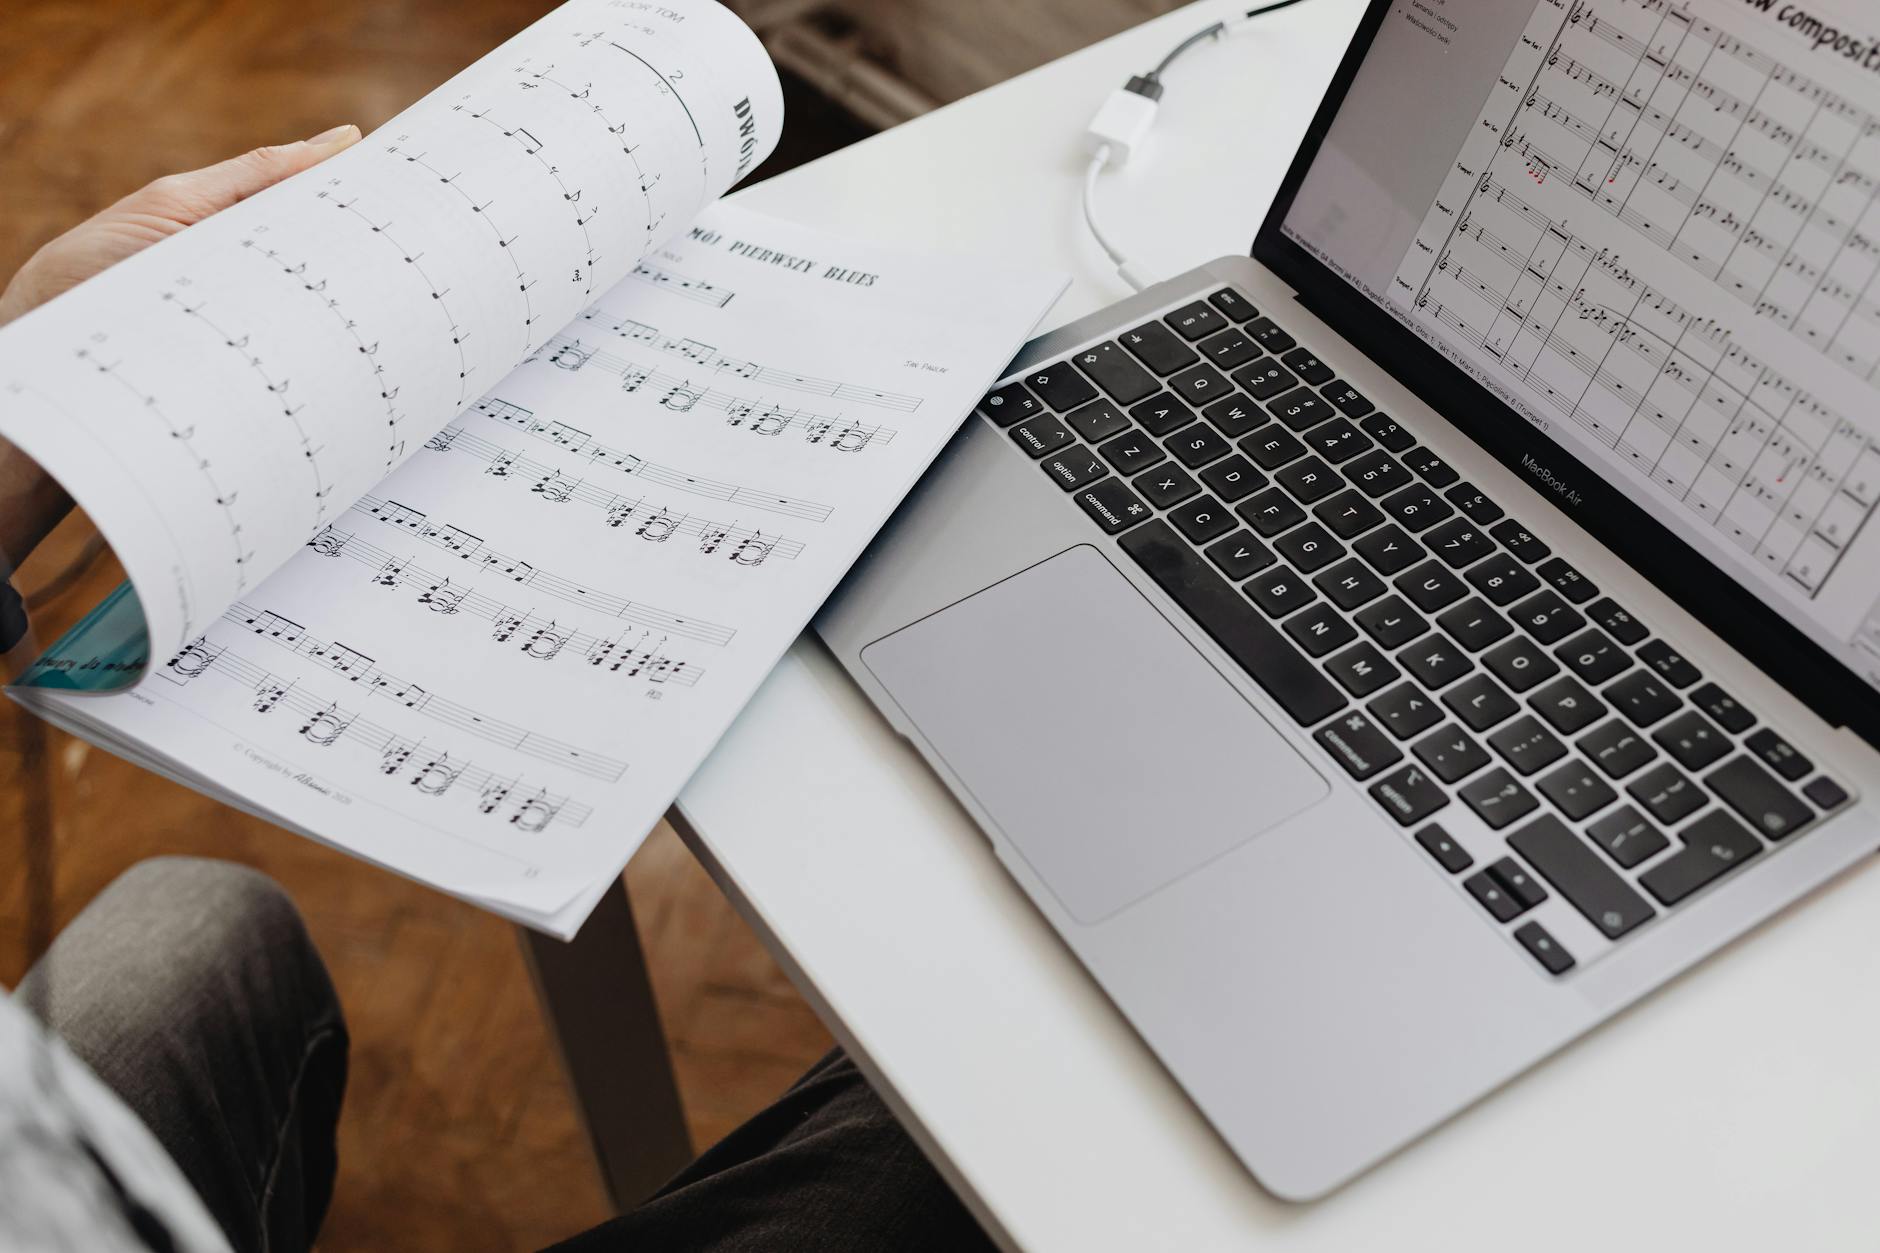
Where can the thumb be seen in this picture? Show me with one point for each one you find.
(188, 198)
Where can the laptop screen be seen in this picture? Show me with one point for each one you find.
(1652, 230)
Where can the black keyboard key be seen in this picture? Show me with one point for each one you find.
(1384, 429)
(1280, 591)
(1060, 386)
(1302, 362)
(1439, 844)
(1546, 617)
(1567, 706)
(1202, 519)
(1233, 478)
(1627, 837)
(1669, 662)
(1010, 403)
(1359, 746)
(1577, 790)
(1265, 379)
(1569, 582)
(1594, 657)
(1348, 584)
(1074, 467)
(1692, 740)
(1435, 661)
(1520, 663)
(1519, 542)
(1430, 587)
(1131, 452)
(1389, 549)
(1271, 512)
(1319, 629)
(1226, 349)
(1527, 745)
(1197, 445)
(1305, 694)
(1391, 622)
(1200, 384)
(1451, 753)
(1235, 416)
(1097, 421)
(1240, 555)
(1040, 435)
(1500, 578)
(1234, 305)
(1376, 473)
(1162, 413)
(1117, 373)
(1723, 708)
(1405, 710)
(1498, 798)
(1361, 669)
(1311, 480)
(1577, 873)
(1273, 447)
(1158, 347)
(1196, 321)
(1618, 621)
(1497, 900)
(1267, 334)
(1546, 950)
(1348, 514)
(1667, 794)
(1778, 754)
(1617, 749)
(1166, 485)
(1459, 542)
(1473, 624)
(1519, 883)
(1433, 469)
(1418, 507)
(1825, 793)
(1771, 809)
(1480, 703)
(1300, 408)
(1347, 399)
(1714, 845)
(1112, 506)
(1643, 698)
(1309, 547)
(1337, 441)
(1476, 507)
(1409, 794)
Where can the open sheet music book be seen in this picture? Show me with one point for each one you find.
(471, 482)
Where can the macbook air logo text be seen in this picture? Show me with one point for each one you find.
(1553, 482)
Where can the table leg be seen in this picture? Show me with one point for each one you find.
(598, 1001)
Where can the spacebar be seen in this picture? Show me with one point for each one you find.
(1234, 623)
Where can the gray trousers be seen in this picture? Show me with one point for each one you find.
(192, 990)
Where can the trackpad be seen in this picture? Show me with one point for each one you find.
(1107, 750)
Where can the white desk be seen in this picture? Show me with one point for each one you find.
(1738, 1109)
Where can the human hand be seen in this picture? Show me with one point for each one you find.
(31, 502)
(155, 213)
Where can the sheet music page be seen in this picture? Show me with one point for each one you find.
(1663, 234)
(217, 399)
(494, 670)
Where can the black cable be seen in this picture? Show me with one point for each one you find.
(1212, 32)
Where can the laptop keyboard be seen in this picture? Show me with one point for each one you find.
(1437, 649)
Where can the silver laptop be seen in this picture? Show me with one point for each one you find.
(1385, 657)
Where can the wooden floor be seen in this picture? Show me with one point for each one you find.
(458, 1133)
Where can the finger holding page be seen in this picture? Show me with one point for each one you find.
(216, 400)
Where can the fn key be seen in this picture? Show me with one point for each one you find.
(1112, 506)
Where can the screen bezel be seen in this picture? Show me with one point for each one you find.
(1827, 686)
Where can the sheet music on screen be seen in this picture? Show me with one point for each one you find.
(1652, 228)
